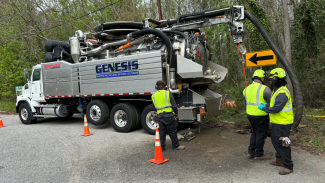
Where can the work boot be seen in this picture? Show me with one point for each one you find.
(264, 157)
(285, 171)
(179, 148)
(250, 155)
(277, 162)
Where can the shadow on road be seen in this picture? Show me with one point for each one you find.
(72, 120)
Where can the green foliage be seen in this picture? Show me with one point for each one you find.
(317, 142)
(308, 46)
(11, 69)
(7, 106)
(257, 42)
(314, 132)
(233, 115)
(233, 90)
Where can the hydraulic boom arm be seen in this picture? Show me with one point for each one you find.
(234, 16)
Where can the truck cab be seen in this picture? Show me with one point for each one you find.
(32, 94)
(36, 92)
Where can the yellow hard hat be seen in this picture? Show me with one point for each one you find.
(259, 73)
(278, 72)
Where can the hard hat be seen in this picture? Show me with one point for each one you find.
(259, 73)
(278, 72)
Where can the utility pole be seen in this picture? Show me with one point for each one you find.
(159, 9)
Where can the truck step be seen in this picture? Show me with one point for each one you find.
(46, 106)
(45, 116)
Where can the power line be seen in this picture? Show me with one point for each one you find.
(84, 15)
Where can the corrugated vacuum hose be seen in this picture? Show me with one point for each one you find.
(286, 64)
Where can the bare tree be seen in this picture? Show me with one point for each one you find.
(287, 39)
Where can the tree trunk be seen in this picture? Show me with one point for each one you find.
(287, 39)
(168, 9)
(276, 26)
(114, 10)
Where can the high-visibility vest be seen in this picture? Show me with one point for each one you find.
(285, 116)
(254, 97)
(161, 101)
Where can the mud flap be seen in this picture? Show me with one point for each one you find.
(218, 70)
(211, 100)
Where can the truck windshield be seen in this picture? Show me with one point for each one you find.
(36, 74)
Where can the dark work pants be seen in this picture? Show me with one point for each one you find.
(260, 126)
(278, 131)
(167, 124)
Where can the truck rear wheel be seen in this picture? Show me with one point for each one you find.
(123, 117)
(25, 114)
(97, 112)
(149, 119)
(138, 113)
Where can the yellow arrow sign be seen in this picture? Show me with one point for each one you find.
(260, 58)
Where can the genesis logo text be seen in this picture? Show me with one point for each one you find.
(116, 69)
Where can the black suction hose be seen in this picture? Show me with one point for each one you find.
(154, 21)
(210, 52)
(164, 37)
(205, 14)
(286, 64)
(208, 13)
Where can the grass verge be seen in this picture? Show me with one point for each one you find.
(310, 134)
(7, 106)
(234, 115)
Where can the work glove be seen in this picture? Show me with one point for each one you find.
(285, 141)
(176, 115)
(261, 106)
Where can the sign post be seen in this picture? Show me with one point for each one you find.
(260, 58)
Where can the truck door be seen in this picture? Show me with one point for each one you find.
(36, 89)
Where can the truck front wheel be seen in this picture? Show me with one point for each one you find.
(123, 117)
(97, 112)
(149, 119)
(25, 114)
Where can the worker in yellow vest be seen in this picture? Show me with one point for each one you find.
(255, 94)
(281, 118)
(166, 108)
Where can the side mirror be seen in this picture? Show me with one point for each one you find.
(26, 74)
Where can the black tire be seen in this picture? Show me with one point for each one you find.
(138, 113)
(123, 118)
(97, 112)
(25, 114)
(148, 118)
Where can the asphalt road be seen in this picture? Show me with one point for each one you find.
(52, 150)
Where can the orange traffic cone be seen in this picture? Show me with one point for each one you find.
(86, 128)
(1, 125)
(159, 159)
